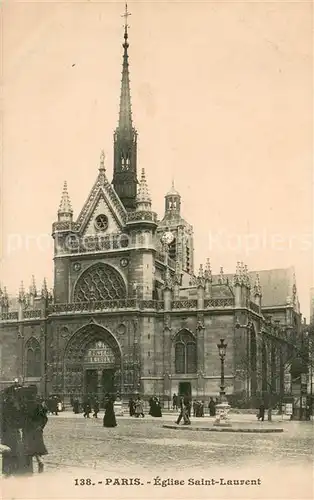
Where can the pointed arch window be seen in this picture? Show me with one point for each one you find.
(185, 353)
(33, 358)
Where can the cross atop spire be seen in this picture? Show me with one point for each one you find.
(126, 15)
(125, 114)
(102, 161)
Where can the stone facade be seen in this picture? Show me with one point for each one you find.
(128, 313)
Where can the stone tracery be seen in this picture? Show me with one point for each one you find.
(99, 282)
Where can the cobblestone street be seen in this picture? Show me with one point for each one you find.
(82, 448)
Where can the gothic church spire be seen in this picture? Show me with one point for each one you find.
(125, 112)
(125, 136)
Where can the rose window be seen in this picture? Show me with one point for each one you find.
(99, 282)
(101, 222)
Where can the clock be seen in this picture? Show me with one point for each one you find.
(101, 222)
(77, 266)
(124, 262)
(167, 238)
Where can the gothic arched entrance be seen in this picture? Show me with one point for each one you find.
(92, 363)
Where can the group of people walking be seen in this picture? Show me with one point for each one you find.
(198, 406)
(136, 407)
(92, 405)
(23, 419)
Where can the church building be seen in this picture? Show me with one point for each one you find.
(129, 313)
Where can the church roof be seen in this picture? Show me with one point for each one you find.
(276, 285)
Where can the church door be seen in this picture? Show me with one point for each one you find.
(91, 381)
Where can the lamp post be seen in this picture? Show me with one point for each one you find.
(223, 407)
(222, 348)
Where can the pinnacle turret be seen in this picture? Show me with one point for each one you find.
(143, 199)
(208, 271)
(257, 286)
(21, 296)
(32, 288)
(44, 289)
(221, 278)
(65, 211)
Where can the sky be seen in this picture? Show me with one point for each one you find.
(222, 98)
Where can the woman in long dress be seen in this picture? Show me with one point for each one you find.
(109, 417)
(35, 423)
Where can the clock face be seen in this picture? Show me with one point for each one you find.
(124, 262)
(167, 238)
(101, 222)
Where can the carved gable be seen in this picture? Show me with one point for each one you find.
(101, 207)
(102, 201)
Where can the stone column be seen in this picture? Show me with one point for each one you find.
(99, 386)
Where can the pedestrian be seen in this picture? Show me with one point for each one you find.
(261, 414)
(76, 406)
(184, 412)
(155, 407)
(86, 408)
(131, 407)
(174, 402)
(212, 407)
(54, 405)
(109, 419)
(139, 409)
(188, 405)
(35, 422)
(95, 408)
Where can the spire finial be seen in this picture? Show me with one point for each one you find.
(102, 161)
(126, 15)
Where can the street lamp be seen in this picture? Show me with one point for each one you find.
(222, 348)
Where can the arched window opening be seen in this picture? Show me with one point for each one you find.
(33, 358)
(185, 353)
